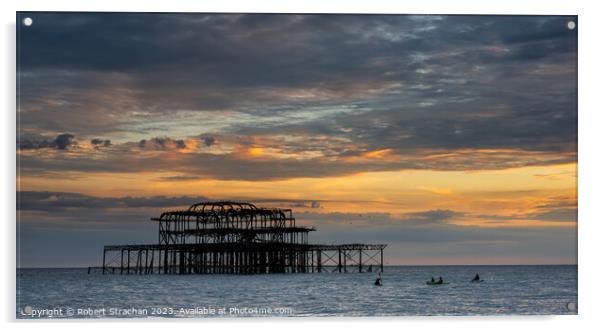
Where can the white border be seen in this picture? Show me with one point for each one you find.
(550, 7)
(590, 163)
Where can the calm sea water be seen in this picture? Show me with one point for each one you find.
(523, 290)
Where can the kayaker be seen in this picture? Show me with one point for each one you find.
(440, 281)
(432, 279)
(476, 278)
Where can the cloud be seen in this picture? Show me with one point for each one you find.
(554, 209)
(305, 204)
(420, 219)
(209, 141)
(179, 178)
(390, 81)
(52, 202)
(550, 215)
(433, 216)
(61, 142)
(162, 143)
(100, 142)
(278, 160)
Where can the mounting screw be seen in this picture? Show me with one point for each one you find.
(571, 306)
(27, 21)
(571, 25)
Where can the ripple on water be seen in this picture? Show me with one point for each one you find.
(506, 290)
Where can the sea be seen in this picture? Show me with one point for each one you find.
(505, 290)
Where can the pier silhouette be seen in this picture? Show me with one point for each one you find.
(236, 238)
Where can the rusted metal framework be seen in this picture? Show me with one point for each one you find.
(236, 238)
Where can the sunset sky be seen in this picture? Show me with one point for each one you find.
(453, 139)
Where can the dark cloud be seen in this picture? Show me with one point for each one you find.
(26, 144)
(65, 201)
(61, 142)
(550, 215)
(100, 142)
(162, 143)
(434, 216)
(209, 141)
(54, 202)
(421, 219)
(180, 144)
(305, 204)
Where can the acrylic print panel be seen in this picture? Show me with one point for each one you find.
(236, 165)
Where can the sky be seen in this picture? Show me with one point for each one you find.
(453, 139)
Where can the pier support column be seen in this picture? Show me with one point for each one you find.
(319, 260)
(121, 264)
(104, 253)
(381, 260)
(165, 261)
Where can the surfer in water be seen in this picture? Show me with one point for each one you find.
(378, 281)
(476, 278)
(440, 281)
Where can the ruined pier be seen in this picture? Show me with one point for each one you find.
(237, 238)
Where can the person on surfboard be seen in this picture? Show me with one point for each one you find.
(378, 281)
(476, 278)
